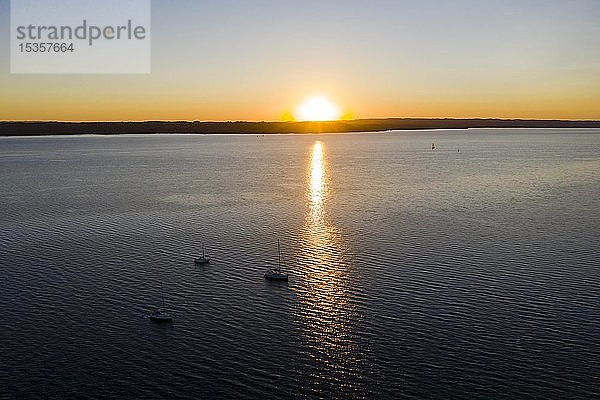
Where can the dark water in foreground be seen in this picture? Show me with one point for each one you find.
(414, 273)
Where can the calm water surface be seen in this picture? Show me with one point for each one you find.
(414, 273)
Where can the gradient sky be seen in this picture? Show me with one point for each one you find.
(257, 60)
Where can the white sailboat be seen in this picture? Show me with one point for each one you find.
(160, 314)
(202, 259)
(275, 274)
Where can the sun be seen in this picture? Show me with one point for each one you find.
(317, 108)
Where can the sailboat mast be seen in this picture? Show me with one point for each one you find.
(279, 256)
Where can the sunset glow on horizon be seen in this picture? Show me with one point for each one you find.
(265, 62)
(318, 108)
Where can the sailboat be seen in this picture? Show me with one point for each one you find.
(275, 274)
(160, 314)
(203, 259)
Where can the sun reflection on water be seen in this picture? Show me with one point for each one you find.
(325, 311)
(317, 175)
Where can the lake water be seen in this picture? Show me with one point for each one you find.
(414, 273)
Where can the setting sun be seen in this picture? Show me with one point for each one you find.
(318, 108)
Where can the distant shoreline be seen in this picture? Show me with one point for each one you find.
(21, 128)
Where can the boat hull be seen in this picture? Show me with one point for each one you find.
(276, 277)
(160, 319)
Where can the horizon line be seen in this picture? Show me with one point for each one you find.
(301, 122)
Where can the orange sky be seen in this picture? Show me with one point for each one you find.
(504, 59)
